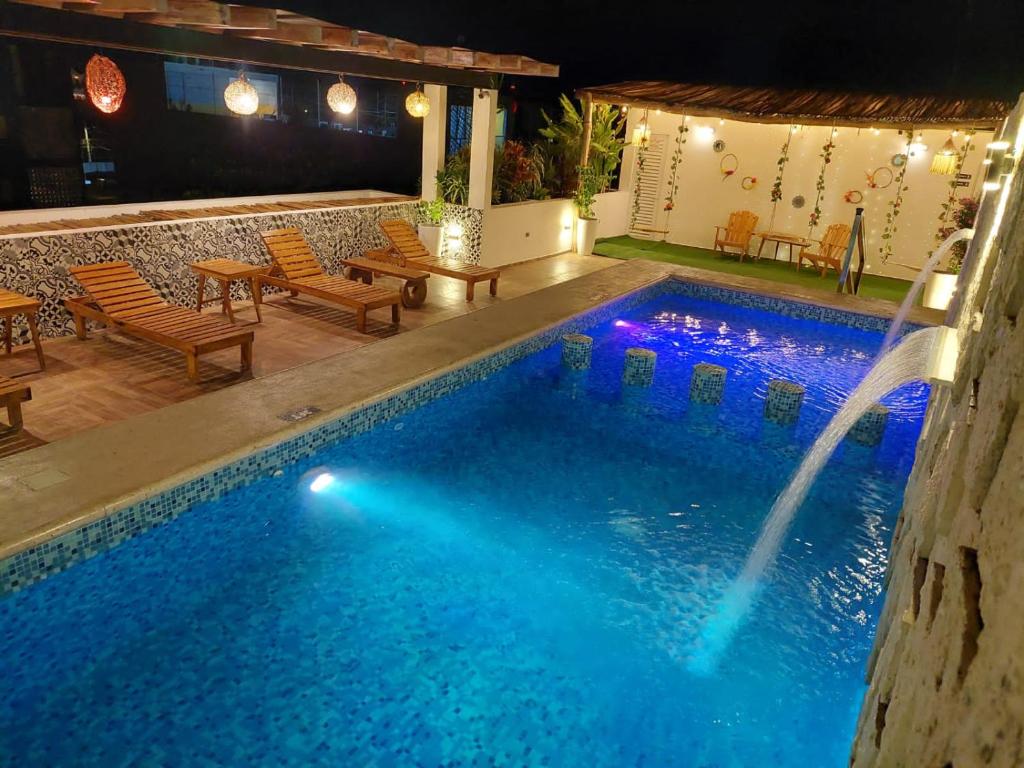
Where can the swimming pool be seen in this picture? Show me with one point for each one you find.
(515, 574)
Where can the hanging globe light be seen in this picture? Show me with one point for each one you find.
(105, 84)
(341, 97)
(417, 104)
(241, 97)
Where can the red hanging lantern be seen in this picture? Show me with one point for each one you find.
(105, 84)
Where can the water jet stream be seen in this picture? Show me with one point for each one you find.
(907, 361)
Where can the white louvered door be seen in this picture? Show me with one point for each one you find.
(650, 189)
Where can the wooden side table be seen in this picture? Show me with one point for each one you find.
(224, 271)
(12, 304)
(779, 238)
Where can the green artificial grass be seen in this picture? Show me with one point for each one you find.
(626, 247)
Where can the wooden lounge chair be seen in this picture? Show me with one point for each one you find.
(121, 299)
(737, 233)
(406, 245)
(12, 395)
(297, 270)
(830, 249)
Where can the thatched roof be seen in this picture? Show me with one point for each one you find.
(806, 107)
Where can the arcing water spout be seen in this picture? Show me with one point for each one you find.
(923, 354)
(911, 298)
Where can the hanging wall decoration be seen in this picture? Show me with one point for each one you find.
(641, 160)
(673, 167)
(798, 201)
(826, 158)
(880, 178)
(950, 204)
(241, 97)
(749, 182)
(341, 97)
(854, 197)
(105, 84)
(891, 215)
(728, 165)
(781, 164)
(718, 146)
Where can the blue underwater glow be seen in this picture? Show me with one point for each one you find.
(518, 573)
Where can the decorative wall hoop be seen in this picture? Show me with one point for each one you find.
(727, 167)
(882, 171)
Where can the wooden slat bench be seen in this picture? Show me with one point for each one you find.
(406, 244)
(414, 289)
(12, 395)
(297, 270)
(119, 298)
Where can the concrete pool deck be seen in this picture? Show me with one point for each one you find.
(61, 486)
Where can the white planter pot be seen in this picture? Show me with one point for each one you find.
(586, 236)
(938, 290)
(430, 234)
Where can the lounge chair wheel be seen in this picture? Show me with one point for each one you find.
(414, 293)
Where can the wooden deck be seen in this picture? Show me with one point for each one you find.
(111, 377)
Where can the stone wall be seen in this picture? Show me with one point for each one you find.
(37, 265)
(947, 671)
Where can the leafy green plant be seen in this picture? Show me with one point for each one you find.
(963, 218)
(590, 183)
(431, 211)
(564, 140)
(453, 179)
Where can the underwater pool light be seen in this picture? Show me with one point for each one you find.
(321, 482)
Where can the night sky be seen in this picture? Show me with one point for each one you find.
(965, 49)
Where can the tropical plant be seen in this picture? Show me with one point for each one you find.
(564, 140)
(590, 183)
(431, 211)
(518, 173)
(453, 179)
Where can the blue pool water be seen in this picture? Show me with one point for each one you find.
(514, 574)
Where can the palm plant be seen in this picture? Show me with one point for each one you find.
(565, 140)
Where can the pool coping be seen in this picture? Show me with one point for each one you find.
(63, 486)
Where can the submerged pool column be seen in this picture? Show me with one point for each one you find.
(707, 384)
(870, 428)
(783, 402)
(576, 351)
(639, 370)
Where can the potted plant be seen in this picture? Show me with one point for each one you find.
(941, 283)
(429, 228)
(590, 183)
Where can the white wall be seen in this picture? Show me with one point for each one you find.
(522, 231)
(705, 199)
(531, 230)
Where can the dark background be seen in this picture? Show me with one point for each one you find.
(964, 49)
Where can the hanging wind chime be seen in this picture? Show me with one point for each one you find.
(105, 84)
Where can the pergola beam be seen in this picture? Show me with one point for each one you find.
(281, 26)
(38, 23)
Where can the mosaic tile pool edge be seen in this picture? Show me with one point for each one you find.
(28, 567)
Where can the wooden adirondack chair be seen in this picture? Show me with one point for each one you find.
(830, 250)
(737, 233)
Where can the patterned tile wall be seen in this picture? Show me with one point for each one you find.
(38, 265)
(36, 564)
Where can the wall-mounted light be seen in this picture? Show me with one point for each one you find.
(999, 165)
(341, 97)
(241, 96)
